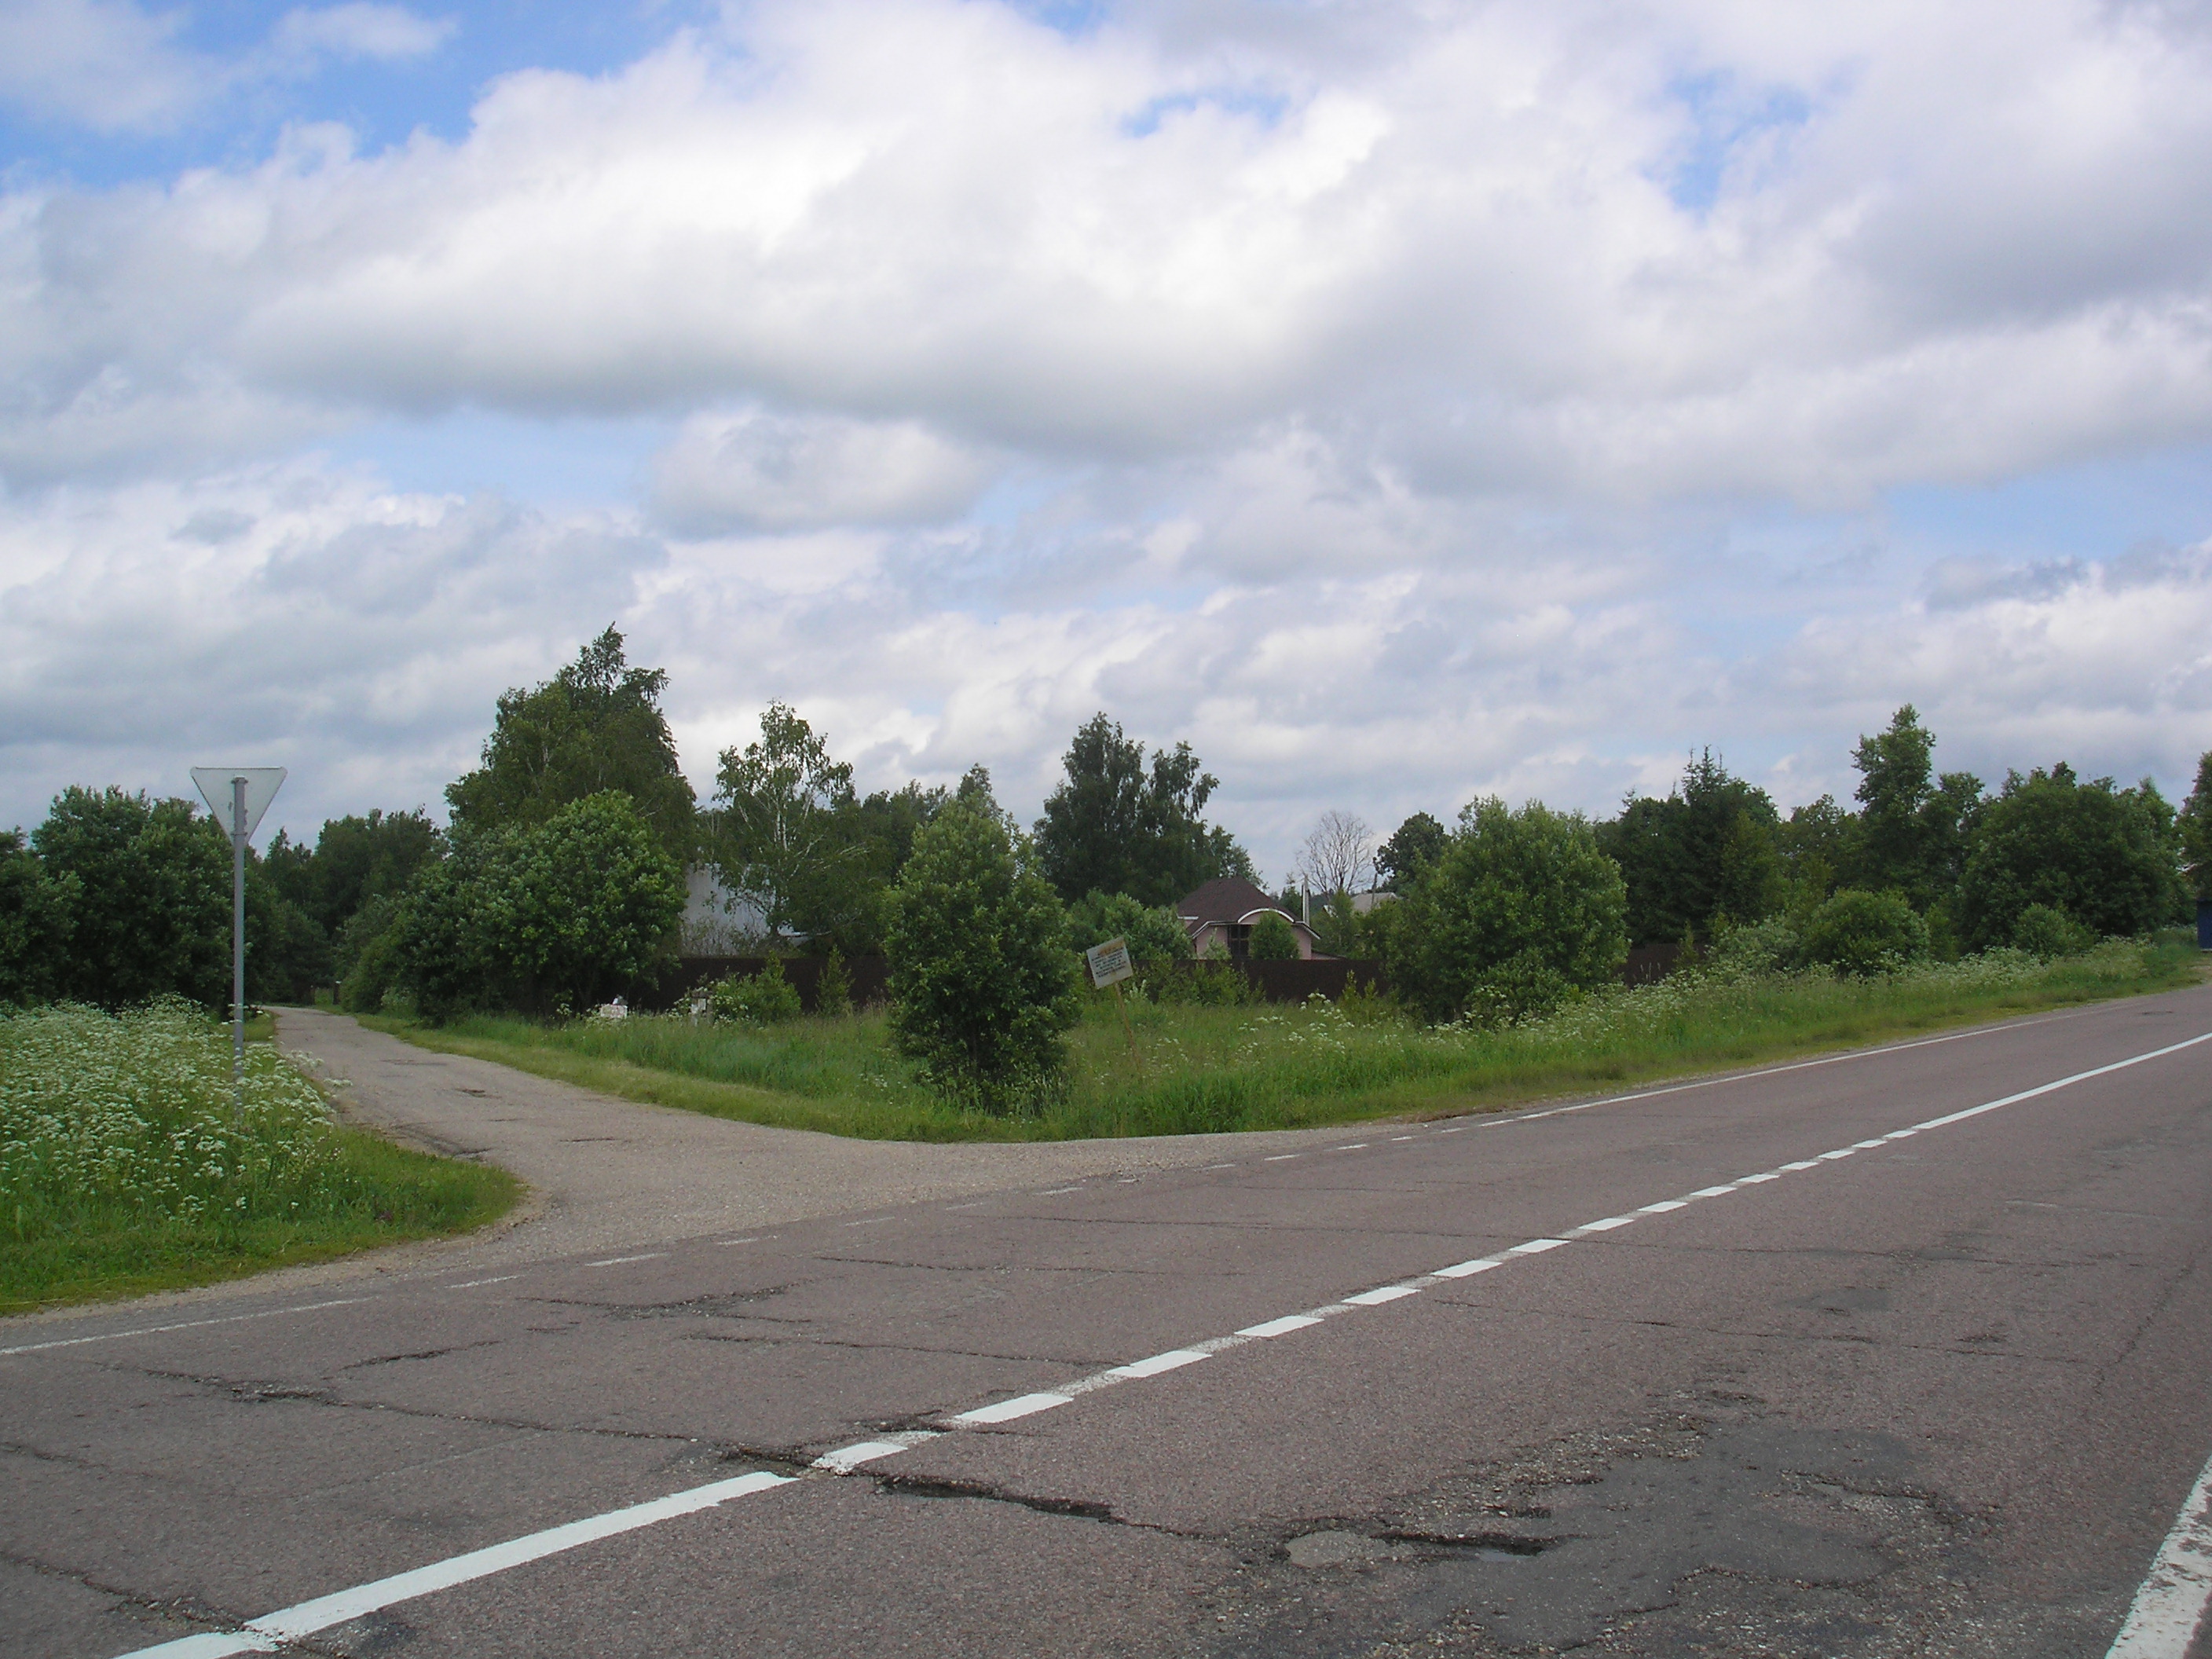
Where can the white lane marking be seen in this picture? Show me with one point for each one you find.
(1536, 1247)
(726, 1243)
(1356, 1146)
(1054, 1191)
(181, 1325)
(1173, 1359)
(979, 1204)
(1459, 1128)
(1900, 1134)
(1712, 1192)
(1662, 1206)
(1396, 1138)
(1282, 1327)
(1218, 1166)
(1463, 1269)
(1840, 1152)
(1803, 1164)
(846, 1459)
(262, 1635)
(618, 1261)
(1280, 1158)
(1027, 1404)
(2168, 1609)
(1950, 1118)
(1381, 1293)
(1868, 1145)
(871, 1221)
(1764, 1175)
(1747, 1076)
(1606, 1225)
(470, 1283)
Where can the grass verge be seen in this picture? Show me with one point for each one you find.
(1198, 1069)
(126, 1169)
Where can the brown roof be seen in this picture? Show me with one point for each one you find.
(1226, 899)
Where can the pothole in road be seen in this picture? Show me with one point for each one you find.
(1685, 1537)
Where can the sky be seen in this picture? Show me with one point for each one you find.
(1400, 402)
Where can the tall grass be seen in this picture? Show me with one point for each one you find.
(1180, 1069)
(125, 1166)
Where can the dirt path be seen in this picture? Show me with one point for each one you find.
(609, 1175)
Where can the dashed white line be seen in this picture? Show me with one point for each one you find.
(618, 1261)
(470, 1283)
(1173, 1359)
(1712, 1192)
(181, 1325)
(1607, 1225)
(1054, 1191)
(266, 1633)
(1662, 1206)
(1376, 1297)
(1005, 1411)
(1280, 1158)
(1537, 1246)
(1282, 1327)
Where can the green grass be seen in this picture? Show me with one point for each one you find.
(125, 1169)
(1197, 1069)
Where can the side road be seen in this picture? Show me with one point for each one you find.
(610, 1175)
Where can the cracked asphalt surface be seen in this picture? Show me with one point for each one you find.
(1943, 1396)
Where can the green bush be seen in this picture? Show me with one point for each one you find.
(1773, 946)
(763, 999)
(1154, 934)
(1860, 934)
(983, 979)
(1273, 939)
(2045, 932)
(1215, 982)
(1520, 911)
(833, 991)
(150, 911)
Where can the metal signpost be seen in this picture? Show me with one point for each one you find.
(1110, 965)
(238, 796)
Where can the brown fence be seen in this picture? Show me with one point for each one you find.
(1277, 981)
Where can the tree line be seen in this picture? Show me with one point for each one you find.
(560, 878)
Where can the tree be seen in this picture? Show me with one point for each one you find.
(1273, 939)
(1709, 853)
(2108, 858)
(152, 904)
(1154, 934)
(2194, 826)
(556, 918)
(1337, 857)
(36, 917)
(880, 831)
(983, 981)
(1912, 824)
(1112, 826)
(1521, 909)
(1412, 847)
(596, 725)
(355, 859)
(785, 836)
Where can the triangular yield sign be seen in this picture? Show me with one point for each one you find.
(262, 783)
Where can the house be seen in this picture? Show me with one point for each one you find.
(1223, 911)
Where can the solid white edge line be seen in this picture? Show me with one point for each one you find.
(2163, 1620)
(306, 1618)
(183, 1325)
(2064, 1082)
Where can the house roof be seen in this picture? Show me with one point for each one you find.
(1227, 899)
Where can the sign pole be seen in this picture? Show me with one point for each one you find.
(237, 951)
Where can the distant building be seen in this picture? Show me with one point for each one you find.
(717, 922)
(1223, 911)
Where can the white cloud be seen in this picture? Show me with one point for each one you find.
(752, 471)
(358, 28)
(106, 64)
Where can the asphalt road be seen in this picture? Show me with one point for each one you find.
(1685, 1385)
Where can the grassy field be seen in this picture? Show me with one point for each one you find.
(122, 1171)
(1193, 1069)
